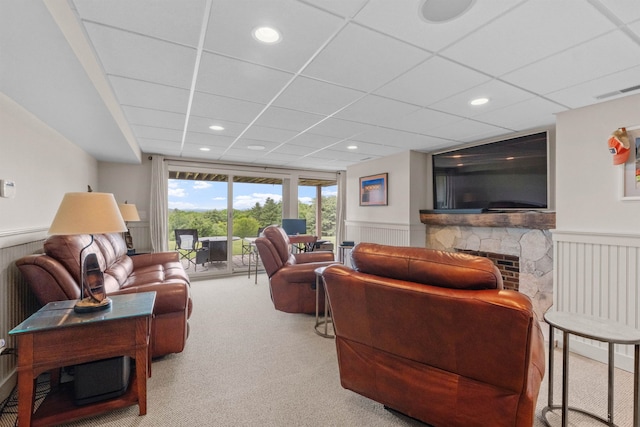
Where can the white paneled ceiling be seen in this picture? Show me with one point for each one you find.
(120, 78)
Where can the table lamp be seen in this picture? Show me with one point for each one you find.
(129, 212)
(89, 213)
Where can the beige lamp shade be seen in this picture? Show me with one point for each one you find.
(88, 213)
(129, 212)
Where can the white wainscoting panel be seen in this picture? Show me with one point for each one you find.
(598, 275)
(377, 232)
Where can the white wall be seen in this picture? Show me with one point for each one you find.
(587, 181)
(409, 191)
(128, 182)
(44, 166)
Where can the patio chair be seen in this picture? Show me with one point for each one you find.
(190, 249)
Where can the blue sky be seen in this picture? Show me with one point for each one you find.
(196, 195)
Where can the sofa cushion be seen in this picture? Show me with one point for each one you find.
(427, 266)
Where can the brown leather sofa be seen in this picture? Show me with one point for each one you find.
(55, 276)
(292, 277)
(433, 335)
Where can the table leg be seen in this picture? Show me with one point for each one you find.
(26, 391)
(142, 362)
(565, 378)
(551, 357)
(610, 386)
(636, 390)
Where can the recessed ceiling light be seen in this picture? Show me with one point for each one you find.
(510, 158)
(460, 164)
(255, 147)
(216, 127)
(437, 11)
(266, 35)
(479, 101)
(205, 149)
(352, 147)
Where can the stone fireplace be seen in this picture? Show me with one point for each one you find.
(510, 240)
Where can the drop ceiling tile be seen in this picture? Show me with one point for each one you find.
(262, 133)
(500, 95)
(148, 117)
(142, 58)
(223, 108)
(239, 79)
(201, 125)
(423, 120)
(580, 64)
(315, 96)
(366, 59)
(627, 11)
(283, 118)
(432, 81)
(468, 131)
(313, 140)
(340, 128)
(588, 93)
(366, 148)
(524, 115)
(167, 20)
(343, 8)
(149, 95)
(635, 28)
(167, 148)
(160, 134)
(397, 139)
(294, 150)
(304, 29)
(208, 140)
(376, 110)
(527, 34)
(386, 15)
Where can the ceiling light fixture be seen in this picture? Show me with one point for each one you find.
(352, 147)
(205, 149)
(437, 11)
(255, 147)
(266, 35)
(479, 101)
(216, 127)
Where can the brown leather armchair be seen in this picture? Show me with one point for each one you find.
(292, 277)
(433, 335)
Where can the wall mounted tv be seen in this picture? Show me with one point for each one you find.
(509, 174)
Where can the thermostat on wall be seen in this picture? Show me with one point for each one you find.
(7, 188)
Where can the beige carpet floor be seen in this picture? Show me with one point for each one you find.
(246, 364)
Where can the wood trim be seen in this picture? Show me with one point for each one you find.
(529, 219)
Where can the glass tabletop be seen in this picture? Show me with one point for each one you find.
(60, 314)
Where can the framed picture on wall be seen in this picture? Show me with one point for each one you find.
(630, 170)
(373, 190)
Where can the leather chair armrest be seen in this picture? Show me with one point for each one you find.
(170, 297)
(301, 273)
(48, 279)
(319, 256)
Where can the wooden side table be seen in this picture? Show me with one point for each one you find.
(598, 329)
(56, 336)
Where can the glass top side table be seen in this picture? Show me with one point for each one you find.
(598, 329)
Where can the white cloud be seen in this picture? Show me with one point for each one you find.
(201, 185)
(305, 200)
(249, 200)
(182, 205)
(175, 190)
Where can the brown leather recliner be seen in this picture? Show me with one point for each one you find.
(292, 277)
(433, 335)
(55, 276)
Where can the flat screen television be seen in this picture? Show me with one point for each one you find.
(509, 174)
(294, 226)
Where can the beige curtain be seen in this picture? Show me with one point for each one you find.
(158, 217)
(341, 207)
